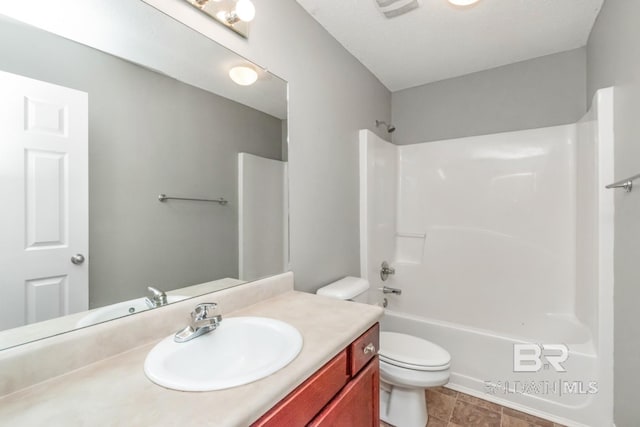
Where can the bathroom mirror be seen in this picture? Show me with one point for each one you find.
(100, 116)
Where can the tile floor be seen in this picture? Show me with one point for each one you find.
(449, 408)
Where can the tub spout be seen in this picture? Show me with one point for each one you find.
(388, 290)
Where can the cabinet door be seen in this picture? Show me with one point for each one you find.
(358, 403)
(304, 403)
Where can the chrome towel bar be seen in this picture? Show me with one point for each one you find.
(627, 183)
(164, 198)
(412, 235)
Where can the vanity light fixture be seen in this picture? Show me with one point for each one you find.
(233, 14)
(463, 2)
(245, 10)
(243, 75)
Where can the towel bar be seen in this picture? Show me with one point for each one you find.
(164, 198)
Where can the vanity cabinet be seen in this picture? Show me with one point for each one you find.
(344, 392)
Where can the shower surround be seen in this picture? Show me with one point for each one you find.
(497, 241)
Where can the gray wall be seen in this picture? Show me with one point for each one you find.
(331, 96)
(614, 60)
(150, 134)
(540, 92)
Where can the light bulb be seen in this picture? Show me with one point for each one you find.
(245, 10)
(463, 2)
(222, 16)
(244, 76)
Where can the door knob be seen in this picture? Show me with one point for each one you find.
(77, 259)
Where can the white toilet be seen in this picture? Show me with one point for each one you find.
(408, 364)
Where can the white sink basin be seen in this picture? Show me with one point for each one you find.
(120, 309)
(241, 350)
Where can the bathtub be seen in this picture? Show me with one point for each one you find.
(502, 244)
(482, 365)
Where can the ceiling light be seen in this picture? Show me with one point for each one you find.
(463, 2)
(244, 76)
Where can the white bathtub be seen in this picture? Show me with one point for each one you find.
(482, 365)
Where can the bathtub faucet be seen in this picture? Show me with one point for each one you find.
(386, 271)
(388, 290)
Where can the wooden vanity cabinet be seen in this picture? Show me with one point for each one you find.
(344, 392)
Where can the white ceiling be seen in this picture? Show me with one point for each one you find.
(439, 41)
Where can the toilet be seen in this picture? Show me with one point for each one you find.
(408, 364)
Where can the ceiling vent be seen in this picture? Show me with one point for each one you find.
(393, 8)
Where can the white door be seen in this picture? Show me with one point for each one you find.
(44, 193)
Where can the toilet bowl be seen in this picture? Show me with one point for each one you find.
(408, 364)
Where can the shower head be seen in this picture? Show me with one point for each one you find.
(390, 128)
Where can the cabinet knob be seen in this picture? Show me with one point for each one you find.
(370, 348)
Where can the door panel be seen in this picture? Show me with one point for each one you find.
(46, 211)
(45, 298)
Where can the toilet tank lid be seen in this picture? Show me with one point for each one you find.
(345, 289)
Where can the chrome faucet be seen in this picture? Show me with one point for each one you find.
(202, 322)
(388, 290)
(158, 298)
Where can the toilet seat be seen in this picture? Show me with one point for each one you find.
(413, 353)
(414, 367)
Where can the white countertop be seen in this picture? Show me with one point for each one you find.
(39, 330)
(115, 391)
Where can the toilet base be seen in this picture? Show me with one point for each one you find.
(403, 407)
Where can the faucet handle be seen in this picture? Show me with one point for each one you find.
(386, 271)
(202, 311)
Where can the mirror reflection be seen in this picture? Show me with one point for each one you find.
(88, 142)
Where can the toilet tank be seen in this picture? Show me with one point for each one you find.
(348, 288)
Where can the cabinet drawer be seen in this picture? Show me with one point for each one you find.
(363, 349)
(302, 404)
